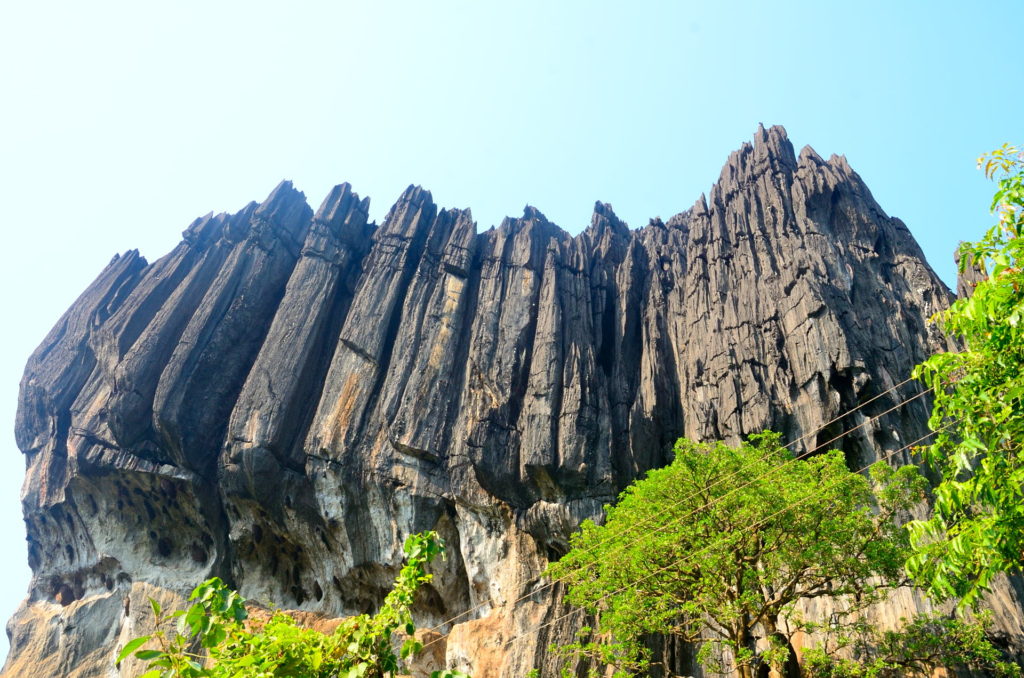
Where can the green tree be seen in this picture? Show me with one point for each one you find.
(922, 645)
(361, 646)
(732, 538)
(977, 528)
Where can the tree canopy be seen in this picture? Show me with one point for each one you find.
(977, 527)
(732, 537)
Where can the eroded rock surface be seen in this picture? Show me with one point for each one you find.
(286, 395)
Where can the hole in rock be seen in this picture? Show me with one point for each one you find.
(198, 553)
(65, 595)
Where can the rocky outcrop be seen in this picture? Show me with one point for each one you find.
(968, 276)
(286, 395)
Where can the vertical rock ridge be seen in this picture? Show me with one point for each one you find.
(193, 265)
(197, 388)
(55, 375)
(418, 402)
(368, 332)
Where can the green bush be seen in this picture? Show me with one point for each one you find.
(977, 528)
(922, 645)
(213, 639)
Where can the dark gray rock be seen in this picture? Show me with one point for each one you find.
(285, 396)
(969, 278)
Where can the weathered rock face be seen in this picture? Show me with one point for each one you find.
(286, 395)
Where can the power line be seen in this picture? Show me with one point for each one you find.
(732, 475)
(802, 455)
(729, 476)
(849, 412)
(553, 582)
(691, 556)
(720, 480)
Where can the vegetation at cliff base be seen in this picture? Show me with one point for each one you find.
(977, 528)
(216, 622)
(919, 647)
(732, 538)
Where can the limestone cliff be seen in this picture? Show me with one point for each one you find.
(287, 394)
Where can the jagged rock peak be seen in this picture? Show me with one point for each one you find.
(771, 152)
(284, 198)
(338, 206)
(604, 220)
(807, 156)
(531, 213)
(773, 146)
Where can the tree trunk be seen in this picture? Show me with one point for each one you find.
(742, 638)
(791, 667)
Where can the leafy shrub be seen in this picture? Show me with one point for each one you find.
(216, 623)
(977, 528)
(921, 646)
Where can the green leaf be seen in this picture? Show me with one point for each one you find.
(131, 647)
(215, 636)
(182, 626)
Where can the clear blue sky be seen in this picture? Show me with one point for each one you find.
(122, 121)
